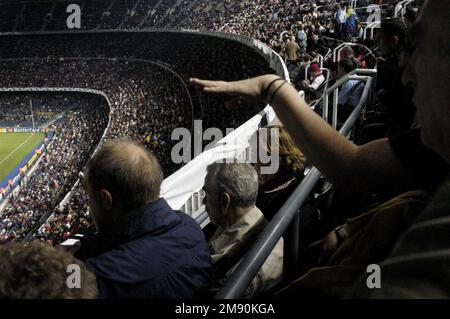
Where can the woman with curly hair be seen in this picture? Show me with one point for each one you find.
(276, 188)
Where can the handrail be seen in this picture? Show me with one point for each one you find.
(334, 121)
(327, 54)
(372, 6)
(400, 8)
(335, 89)
(320, 62)
(327, 82)
(259, 252)
(371, 26)
(340, 47)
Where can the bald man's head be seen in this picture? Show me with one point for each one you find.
(124, 171)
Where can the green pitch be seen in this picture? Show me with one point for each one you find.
(14, 147)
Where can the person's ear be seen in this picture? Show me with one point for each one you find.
(106, 199)
(226, 201)
(395, 41)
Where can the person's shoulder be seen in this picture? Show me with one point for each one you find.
(346, 85)
(438, 207)
(189, 225)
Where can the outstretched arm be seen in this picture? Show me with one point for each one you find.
(371, 167)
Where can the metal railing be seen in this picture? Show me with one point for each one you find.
(371, 13)
(340, 47)
(319, 61)
(285, 219)
(354, 75)
(194, 205)
(400, 8)
(324, 99)
(325, 87)
(372, 26)
(328, 54)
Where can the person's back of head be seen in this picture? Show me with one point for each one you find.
(347, 52)
(121, 177)
(237, 179)
(346, 66)
(394, 27)
(392, 36)
(410, 16)
(39, 271)
(292, 159)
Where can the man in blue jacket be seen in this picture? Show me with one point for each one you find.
(142, 248)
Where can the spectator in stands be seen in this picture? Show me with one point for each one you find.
(395, 99)
(77, 135)
(334, 71)
(310, 95)
(39, 271)
(350, 92)
(420, 256)
(143, 248)
(231, 190)
(313, 38)
(276, 188)
(350, 24)
(410, 16)
(292, 49)
(315, 77)
(348, 53)
(302, 38)
(339, 20)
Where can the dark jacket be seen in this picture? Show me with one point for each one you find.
(162, 253)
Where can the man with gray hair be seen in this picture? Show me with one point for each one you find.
(231, 190)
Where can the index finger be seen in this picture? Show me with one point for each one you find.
(211, 86)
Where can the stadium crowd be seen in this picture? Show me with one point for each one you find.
(137, 109)
(15, 109)
(405, 234)
(140, 104)
(76, 136)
